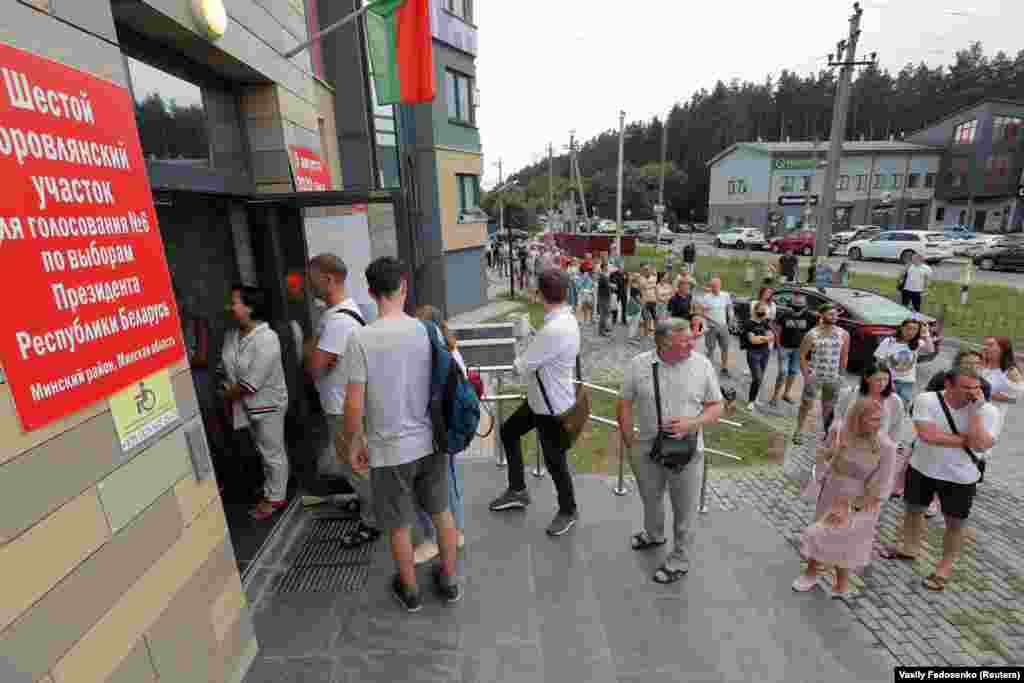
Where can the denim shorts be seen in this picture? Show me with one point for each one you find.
(789, 362)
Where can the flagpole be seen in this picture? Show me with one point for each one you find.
(348, 19)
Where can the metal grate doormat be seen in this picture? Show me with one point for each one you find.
(323, 565)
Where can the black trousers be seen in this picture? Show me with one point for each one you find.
(912, 300)
(521, 423)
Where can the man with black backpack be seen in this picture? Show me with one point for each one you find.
(548, 366)
(324, 356)
(390, 370)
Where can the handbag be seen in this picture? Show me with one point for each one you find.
(978, 462)
(668, 451)
(574, 420)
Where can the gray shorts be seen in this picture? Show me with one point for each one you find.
(715, 336)
(399, 490)
(826, 390)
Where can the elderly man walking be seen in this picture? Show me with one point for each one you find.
(690, 397)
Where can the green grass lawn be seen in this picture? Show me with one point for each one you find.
(991, 309)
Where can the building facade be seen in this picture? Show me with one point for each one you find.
(778, 185)
(982, 165)
(121, 565)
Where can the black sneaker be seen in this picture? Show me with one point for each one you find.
(562, 523)
(410, 600)
(511, 500)
(449, 592)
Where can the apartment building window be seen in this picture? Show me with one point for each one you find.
(170, 115)
(805, 183)
(940, 214)
(862, 182)
(913, 181)
(844, 183)
(459, 90)
(789, 183)
(738, 186)
(463, 9)
(878, 181)
(1007, 128)
(929, 181)
(469, 192)
(897, 181)
(964, 133)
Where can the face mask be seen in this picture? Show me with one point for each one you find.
(673, 356)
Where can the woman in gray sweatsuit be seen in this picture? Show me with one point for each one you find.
(255, 387)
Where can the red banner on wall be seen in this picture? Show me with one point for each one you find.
(310, 171)
(88, 307)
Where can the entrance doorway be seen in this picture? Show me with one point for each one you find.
(913, 217)
(980, 216)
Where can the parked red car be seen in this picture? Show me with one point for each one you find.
(798, 241)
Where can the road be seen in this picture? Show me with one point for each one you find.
(949, 270)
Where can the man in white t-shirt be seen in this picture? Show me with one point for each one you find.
(915, 282)
(717, 309)
(944, 465)
(324, 359)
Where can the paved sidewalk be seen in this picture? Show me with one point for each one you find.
(576, 609)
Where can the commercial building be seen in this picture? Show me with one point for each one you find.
(777, 185)
(982, 170)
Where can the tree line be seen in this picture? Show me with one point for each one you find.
(883, 105)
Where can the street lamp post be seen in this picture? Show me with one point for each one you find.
(508, 235)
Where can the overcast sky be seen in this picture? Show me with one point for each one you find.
(548, 66)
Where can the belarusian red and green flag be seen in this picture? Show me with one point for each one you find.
(401, 50)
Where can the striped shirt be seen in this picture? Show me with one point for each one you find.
(253, 362)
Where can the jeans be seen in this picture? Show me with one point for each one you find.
(757, 359)
(905, 390)
(912, 300)
(683, 493)
(522, 422)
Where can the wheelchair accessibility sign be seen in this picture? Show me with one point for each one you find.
(144, 409)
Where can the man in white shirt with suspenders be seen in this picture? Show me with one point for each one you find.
(323, 354)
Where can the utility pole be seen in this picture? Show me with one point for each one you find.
(846, 62)
(618, 195)
(551, 183)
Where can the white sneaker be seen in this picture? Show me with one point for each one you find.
(804, 583)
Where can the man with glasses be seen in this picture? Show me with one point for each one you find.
(955, 427)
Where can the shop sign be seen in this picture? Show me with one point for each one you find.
(144, 409)
(797, 200)
(795, 164)
(88, 308)
(310, 171)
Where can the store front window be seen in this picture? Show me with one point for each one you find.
(170, 114)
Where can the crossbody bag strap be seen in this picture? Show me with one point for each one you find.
(657, 393)
(952, 425)
(544, 393)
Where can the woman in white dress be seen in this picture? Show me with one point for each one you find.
(999, 367)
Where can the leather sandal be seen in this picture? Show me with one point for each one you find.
(935, 583)
(891, 552)
(664, 575)
(641, 541)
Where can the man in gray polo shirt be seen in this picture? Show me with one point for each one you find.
(388, 367)
(690, 399)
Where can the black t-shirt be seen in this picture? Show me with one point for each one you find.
(679, 306)
(795, 326)
(604, 286)
(789, 265)
(759, 328)
(619, 281)
(689, 253)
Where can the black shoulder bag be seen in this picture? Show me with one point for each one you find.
(668, 451)
(978, 462)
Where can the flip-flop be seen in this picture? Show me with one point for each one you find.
(664, 575)
(641, 541)
(934, 583)
(891, 552)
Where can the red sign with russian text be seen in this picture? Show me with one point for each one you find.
(89, 308)
(310, 171)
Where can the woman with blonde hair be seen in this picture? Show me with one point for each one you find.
(428, 549)
(853, 479)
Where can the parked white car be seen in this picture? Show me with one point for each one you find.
(740, 238)
(901, 245)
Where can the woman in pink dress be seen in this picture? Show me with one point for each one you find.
(858, 473)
